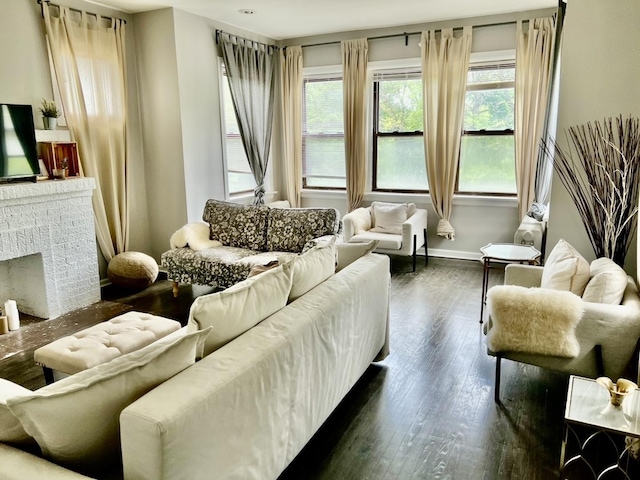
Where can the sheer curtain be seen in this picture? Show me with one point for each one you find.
(445, 63)
(291, 92)
(89, 63)
(534, 60)
(250, 71)
(354, 80)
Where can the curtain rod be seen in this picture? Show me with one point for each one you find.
(219, 32)
(407, 34)
(40, 2)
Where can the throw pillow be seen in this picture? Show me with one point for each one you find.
(289, 229)
(312, 268)
(235, 310)
(76, 420)
(361, 220)
(565, 269)
(557, 314)
(389, 218)
(411, 208)
(607, 284)
(236, 225)
(11, 430)
(350, 252)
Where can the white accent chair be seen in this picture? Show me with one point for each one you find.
(404, 239)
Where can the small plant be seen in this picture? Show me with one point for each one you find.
(49, 109)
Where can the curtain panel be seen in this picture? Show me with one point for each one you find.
(291, 93)
(251, 74)
(445, 63)
(355, 57)
(534, 62)
(88, 54)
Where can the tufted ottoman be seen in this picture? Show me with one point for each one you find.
(102, 342)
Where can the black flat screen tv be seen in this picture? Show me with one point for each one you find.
(18, 150)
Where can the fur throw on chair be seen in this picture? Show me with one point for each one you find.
(195, 235)
(534, 320)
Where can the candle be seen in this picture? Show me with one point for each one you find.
(4, 325)
(13, 317)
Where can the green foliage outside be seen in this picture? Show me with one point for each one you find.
(400, 106)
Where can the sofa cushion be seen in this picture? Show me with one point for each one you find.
(389, 218)
(386, 241)
(607, 283)
(289, 229)
(236, 225)
(240, 307)
(565, 269)
(312, 268)
(76, 420)
(350, 252)
(11, 430)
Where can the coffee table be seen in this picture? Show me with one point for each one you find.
(588, 405)
(504, 253)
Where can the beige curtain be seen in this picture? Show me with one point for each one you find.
(445, 62)
(291, 93)
(534, 61)
(89, 62)
(354, 79)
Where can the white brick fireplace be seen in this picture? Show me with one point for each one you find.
(48, 254)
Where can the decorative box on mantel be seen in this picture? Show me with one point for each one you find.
(48, 253)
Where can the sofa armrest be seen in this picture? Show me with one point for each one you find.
(414, 225)
(18, 465)
(355, 222)
(523, 275)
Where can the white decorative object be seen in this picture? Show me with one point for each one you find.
(4, 325)
(13, 317)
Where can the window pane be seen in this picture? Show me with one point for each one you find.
(506, 73)
(241, 182)
(489, 109)
(324, 164)
(487, 164)
(236, 158)
(323, 160)
(400, 105)
(400, 164)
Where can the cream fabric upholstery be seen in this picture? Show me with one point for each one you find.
(312, 268)
(386, 241)
(350, 252)
(20, 465)
(11, 430)
(565, 269)
(246, 410)
(104, 342)
(607, 283)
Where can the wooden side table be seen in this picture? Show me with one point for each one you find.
(504, 253)
(588, 405)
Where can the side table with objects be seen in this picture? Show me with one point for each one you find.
(504, 253)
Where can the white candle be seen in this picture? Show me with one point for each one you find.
(13, 317)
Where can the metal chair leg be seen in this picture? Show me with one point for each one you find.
(426, 250)
(415, 250)
(496, 392)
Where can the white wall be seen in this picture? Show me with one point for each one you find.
(598, 79)
(477, 220)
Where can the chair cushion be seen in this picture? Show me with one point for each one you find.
(565, 269)
(236, 225)
(607, 283)
(386, 241)
(11, 430)
(289, 229)
(235, 310)
(76, 420)
(350, 252)
(312, 268)
(389, 218)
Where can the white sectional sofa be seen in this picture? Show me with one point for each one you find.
(247, 409)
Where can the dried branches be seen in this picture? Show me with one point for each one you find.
(603, 184)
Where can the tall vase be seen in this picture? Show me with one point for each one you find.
(50, 123)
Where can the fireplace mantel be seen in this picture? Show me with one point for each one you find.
(48, 253)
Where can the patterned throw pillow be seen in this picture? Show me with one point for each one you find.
(236, 225)
(291, 228)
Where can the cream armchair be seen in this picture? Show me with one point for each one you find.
(411, 234)
(606, 334)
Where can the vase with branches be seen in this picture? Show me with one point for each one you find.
(602, 181)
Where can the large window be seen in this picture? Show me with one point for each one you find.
(323, 159)
(487, 152)
(398, 148)
(239, 176)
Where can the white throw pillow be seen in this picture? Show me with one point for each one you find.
(235, 310)
(411, 208)
(607, 284)
(11, 430)
(312, 268)
(350, 252)
(389, 218)
(565, 269)
(76, 420)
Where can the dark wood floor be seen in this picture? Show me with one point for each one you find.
(426, 412)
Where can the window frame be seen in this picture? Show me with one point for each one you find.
(318, 76)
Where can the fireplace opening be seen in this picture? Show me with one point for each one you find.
(22, 279)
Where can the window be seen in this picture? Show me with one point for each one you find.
(323, 159)
(487, 152)
(398, 146)
(239, 176)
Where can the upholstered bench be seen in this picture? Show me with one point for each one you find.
(102, 342)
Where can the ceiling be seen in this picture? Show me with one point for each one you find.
(283, 19)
